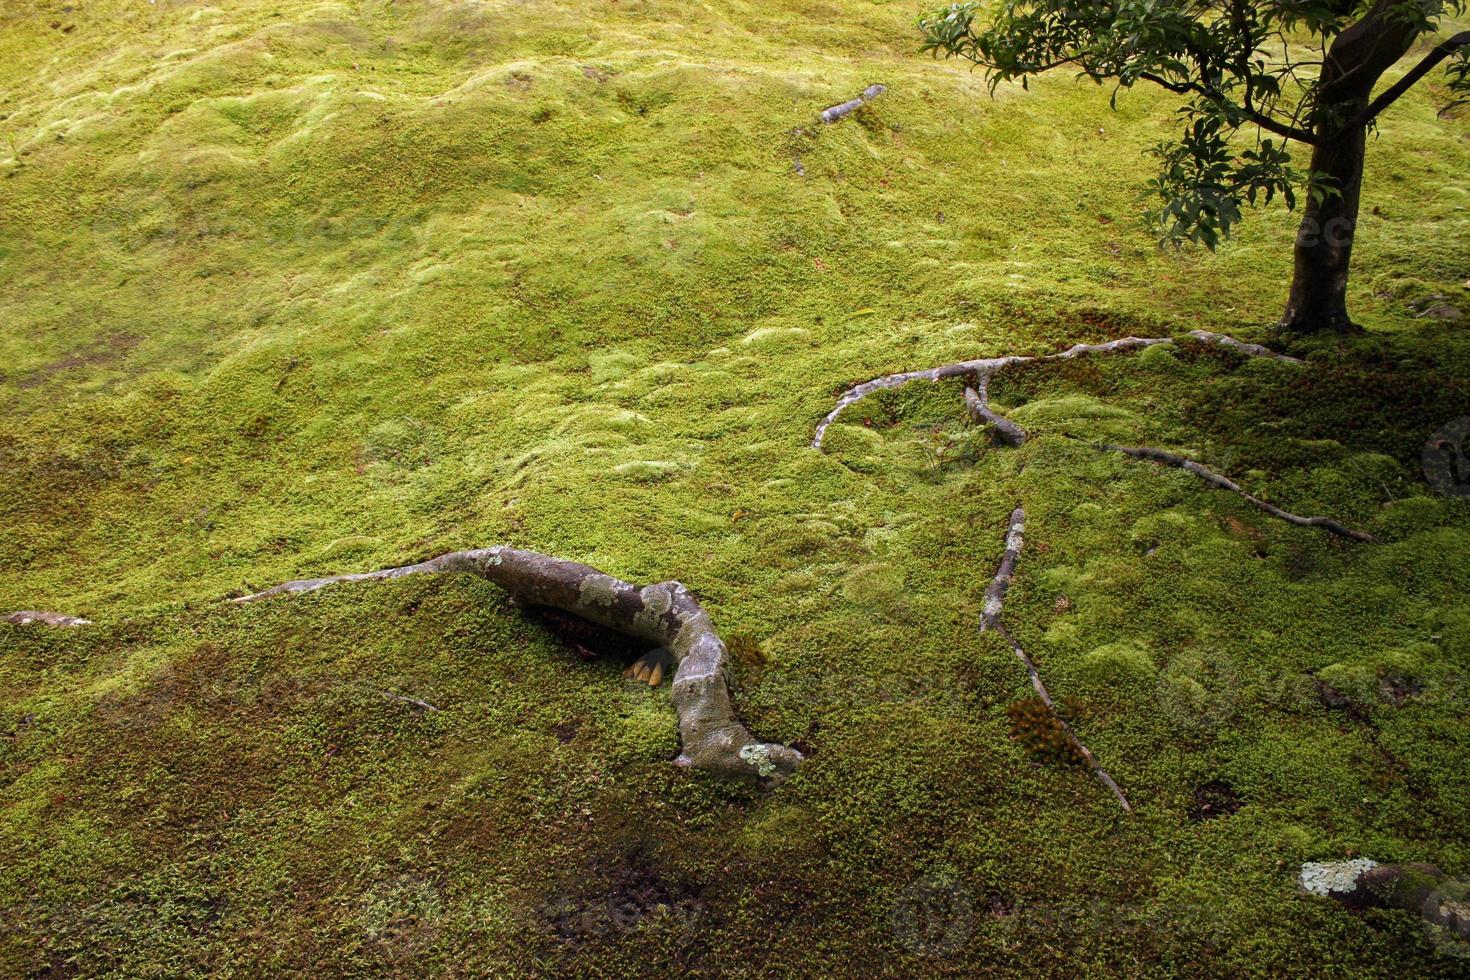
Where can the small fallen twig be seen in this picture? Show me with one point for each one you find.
(1224, 483)
(836, 112)
(665, 614)
(28, 616)
(981, 370)
(995, 595)
(411, 702)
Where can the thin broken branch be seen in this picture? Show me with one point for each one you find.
(665, 614)
(1225, 483)
(981, 370)
(411, 702)
(836, 112)
(27, 616)
(995, 595)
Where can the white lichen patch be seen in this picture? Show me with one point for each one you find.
(649, 470)
(657, 600)
(1326, 877)
(776, 336)
(598, 590)
(759, 756)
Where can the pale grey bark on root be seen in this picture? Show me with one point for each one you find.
(713, 739)
(1225, 483)
(1250, 350)
(981, 370)
(26, 617)
(990, 619)
(411, 702)
(836, 112)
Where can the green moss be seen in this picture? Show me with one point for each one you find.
(296, 289)
(1117, 664)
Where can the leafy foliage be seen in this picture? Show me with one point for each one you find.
(1249, 68)
(1458, 71)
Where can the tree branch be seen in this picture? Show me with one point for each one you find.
(1392, 94)
(1284, 130)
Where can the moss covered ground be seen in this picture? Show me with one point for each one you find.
(293, 288)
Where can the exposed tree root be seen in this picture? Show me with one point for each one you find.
(995, 595)
(1423, 889)
(980, 372)
(836, 112)
(1224, 483)
(665, 614)
(1002, 430)
(28, 616)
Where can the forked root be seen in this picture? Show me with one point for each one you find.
(665, 614)
(995, 595)
(980, 371)
(1225, 483)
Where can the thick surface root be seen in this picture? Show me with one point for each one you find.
(995, 595)
(1225, 483)
(980, 372)
(28, 616)
(665, 615)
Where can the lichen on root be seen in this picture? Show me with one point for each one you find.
(712, 737)
(1441, 901)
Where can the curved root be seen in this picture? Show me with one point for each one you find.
(1002, 430)
(995, 595)
(713, 739)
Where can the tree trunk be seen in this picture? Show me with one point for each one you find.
(1324, 242)
(1355, 62)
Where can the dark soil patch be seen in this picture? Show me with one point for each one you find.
(1215, 798)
